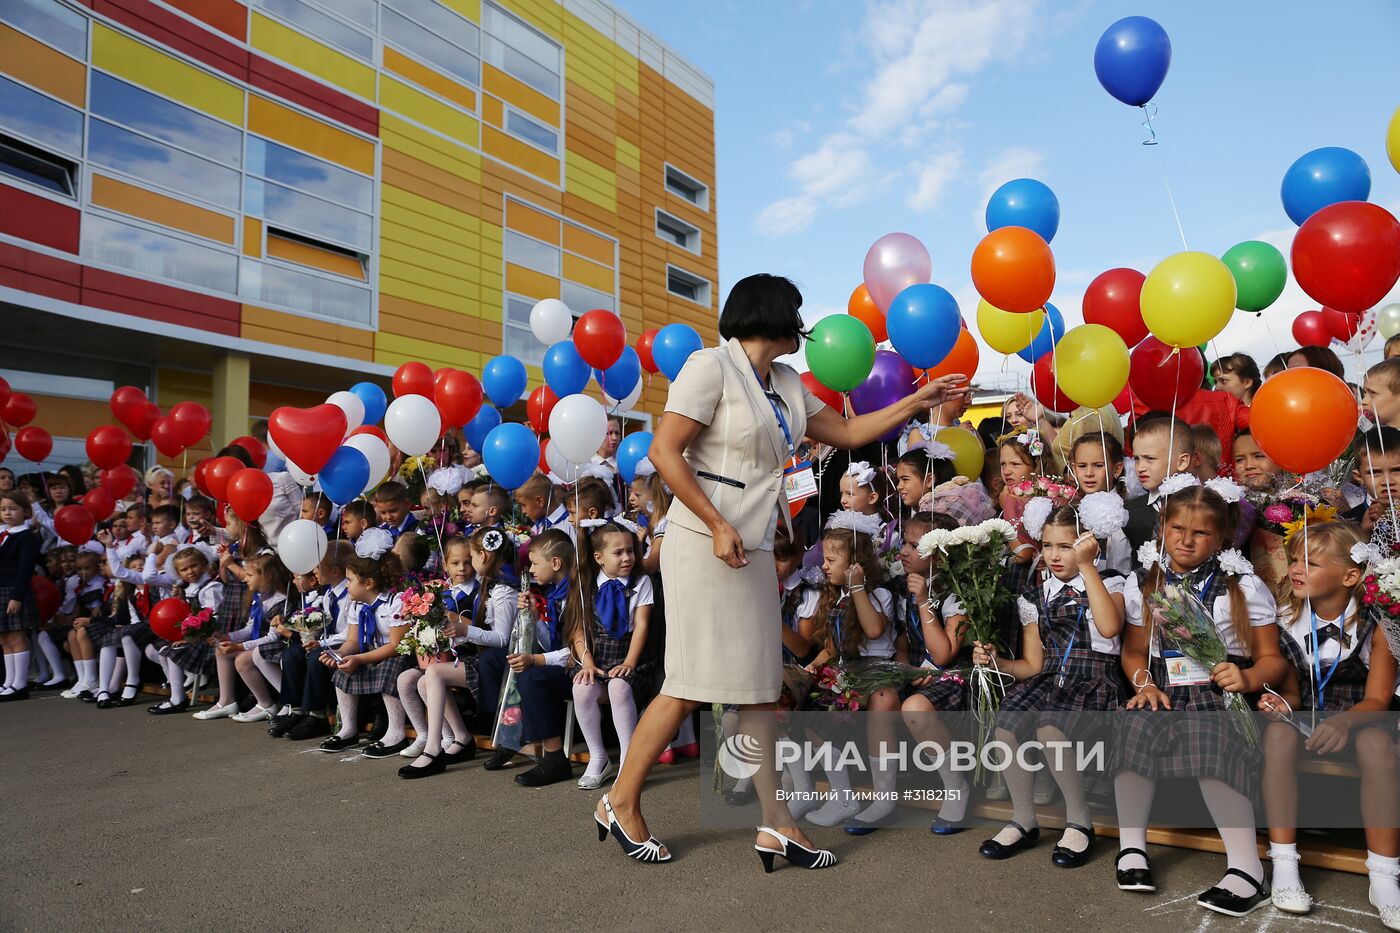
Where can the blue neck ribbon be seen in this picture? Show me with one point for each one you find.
(610, 605)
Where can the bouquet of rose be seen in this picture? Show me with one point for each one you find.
(1285, 513)
(197, 626)
(425, 610)
(1036, 486)
(849, 686)
(510, 726)
(1186, 626)
(308, 623)
(1381, 587)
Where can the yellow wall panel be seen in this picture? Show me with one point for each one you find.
(531, 222)
(438, 278)
(311, 56)
(530, 283)
(395, 348)
(158, 208)
(416, 291)
(398, 201)
(425, 77)
(519, 94)
(590, 181)
(588, 273)
(455, 256)
(409, 102)
(127, 58)
(290, 126)
(41, 66)
(471, 9)
(520, 155)
(544, 15)
(421, 144)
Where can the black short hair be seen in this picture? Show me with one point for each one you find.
(764, 306)
(238, 453)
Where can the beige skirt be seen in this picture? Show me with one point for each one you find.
(723, 626)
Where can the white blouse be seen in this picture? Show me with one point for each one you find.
(880, 598)
(1332, 650)
(502, 604)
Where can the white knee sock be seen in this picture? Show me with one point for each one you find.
(1284, 858)
(347, 705)
(9, 683)
(1133, 795)
(882, 780)
(1234, 820)
(87, 673)
(589, 714)
(52, 656)
(841, 806)
(106, 663)
(1383, 870)
(395, 733)
(412, 701)
(271, 670)
(176, 675)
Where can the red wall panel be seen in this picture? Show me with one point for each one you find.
(37, 219)
(127, 295)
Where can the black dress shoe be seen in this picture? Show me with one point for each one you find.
(168, 709)
(1228, 902)
(126, 701)
(380, 750)
(21, 694)
(106, 703)
(551, 770)
(942, 827)
(87, 696)
(436, 765)
(740, 798)
(312, 727)
(467, 753)
(283, 724)
(336, 744)
(1136, 879)
(1068, 858)
(995, 850)
(501, 759)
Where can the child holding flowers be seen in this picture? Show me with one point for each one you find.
(192, 565)
(1331, 633)
(1190, 567)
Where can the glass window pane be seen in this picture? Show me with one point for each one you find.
(358, 11)
(302, 213)
(521, 66)
(153, 254)
(157, 163)
(292, 289)
(309, 173)
(49, 21)
(521, 37)
(581, 298)
(532, 254)
(320, 26)
(164, 119)
(518, 311)
(40, 118)
(517, 124)
(37, 167)
(432, 49)
(520, 343)
(440, 21)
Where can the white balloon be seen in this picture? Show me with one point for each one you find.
(376, 452)
(1389, 321)
(354, 409)
(626, 404)
(413, 424)
(1365, 330)
(550, 321)
(578, 425)
(302, 477)
(560, 465)
(301, 545)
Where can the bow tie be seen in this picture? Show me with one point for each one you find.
(1331, 631)
(610, 604)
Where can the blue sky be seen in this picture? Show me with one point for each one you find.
(838, 122)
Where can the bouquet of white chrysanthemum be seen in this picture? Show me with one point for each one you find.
(308, 623)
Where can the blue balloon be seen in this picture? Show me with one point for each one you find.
(376, 402)
(672, 347)
(1050, 333)
(923, 323)
(345, 475)
(619, 379)
(630, 452)
(475, 431)
(504, 378)
(1024, 202)
(1132, 59)
(511, 453)
(1322, 177)
(564, 370)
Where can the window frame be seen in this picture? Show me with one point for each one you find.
(557, 96)
(693, 234)
(692, 279)
(72, 170)
(419, 57)
(96, 212)
(371, 34)
(686, 180)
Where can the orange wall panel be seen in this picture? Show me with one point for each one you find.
(594, 247)
(282, 123)
(35, 63)
(429, 79)
(518, 94)
(307, 255)
(171, 212)
(531, 222)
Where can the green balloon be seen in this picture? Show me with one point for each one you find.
(840, 352)
(1260, 274)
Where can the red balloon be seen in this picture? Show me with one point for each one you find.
(108, 446)
(1124, 402)
(74, 524)
(256, 449)
(163, 436)
(200, 477)
(830, 396)
(599, 337)
(166, 617)
(249, 493)
(33, 443)
(128, 404)
(18, 410)
(538, 406)
(438, 375)
(144, 424)
(4, 391)
(120, 481)
(1347, 255)
(1310, 329)
(217, 473)
(410, 379)
(1112, 300)
(100, 503)
(191, 421)
(1303, 418)
(1162, 378)
(309, 436)
(371, 429)
(1340, 324)
(644, 343)
(46, 597)
(458, 398)
(1044, 388)
(544, 462)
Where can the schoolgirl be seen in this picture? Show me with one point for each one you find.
(19, 552)
(202, 592)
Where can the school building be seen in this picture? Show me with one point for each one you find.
(252, 204)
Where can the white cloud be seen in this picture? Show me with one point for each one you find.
(840, 165)
(1018, 162)
(932, 178)
(786, 217)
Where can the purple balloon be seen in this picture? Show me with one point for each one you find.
(890, 379)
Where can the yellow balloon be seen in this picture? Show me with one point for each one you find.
(968, 453)
(1006, 332)
(1091, 364)
(1188, 299)
(1392, 139)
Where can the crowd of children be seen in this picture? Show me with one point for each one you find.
(1105, 517)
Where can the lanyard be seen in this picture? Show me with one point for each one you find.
(1073, 637)
(1321, 681)
(777, 410)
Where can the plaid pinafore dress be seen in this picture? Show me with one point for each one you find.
(949, 691)
(382, 677)
(1345, 682)
(193, 657)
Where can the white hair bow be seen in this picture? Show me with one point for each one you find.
(446, 481)
(847, 520)
(373, 542)
(644, 468)
(934, 449)
(1226, 488)
(863, 472)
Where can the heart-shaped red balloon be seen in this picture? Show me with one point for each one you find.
(307, 436)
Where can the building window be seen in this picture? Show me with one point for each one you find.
(532, 131)
(305, 251)
(683, 186)
(165, 120)
(306, 293)
(157, 255)
(521, 51)
(531, 253)
(39, 118)
(434, 35)
(582, 297)
(677, 231)
(687, 285)
(517, 339)
(160, 164)
(48, 21)
(37, 167)
(309, 174)
(313, 20)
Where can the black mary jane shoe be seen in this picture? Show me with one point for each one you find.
(1227, 902)
(995, 850)
(501, 759)
(283, 724)
(15, 695)
(467, 753)
(126, 701)
(436, 765)
(105, 701)
(336, 744)
(1137, 880)
(546, 772)
(167, 708)
(87, 696)
(380, 750)
(942, 827)
(1068, 858)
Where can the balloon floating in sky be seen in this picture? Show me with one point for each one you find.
(1132, 58)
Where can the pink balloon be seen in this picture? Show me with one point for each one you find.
(896, 261)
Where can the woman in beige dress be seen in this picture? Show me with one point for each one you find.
(732, 420)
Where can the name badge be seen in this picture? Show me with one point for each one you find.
(1183, 671)
(799, 481)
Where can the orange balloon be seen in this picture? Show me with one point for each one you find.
(1014, 270)
(963, 358)
(862, 308)
(1303, 418)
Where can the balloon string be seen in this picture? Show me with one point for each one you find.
(442, 558)
(1172, 200)
(1147, 116)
